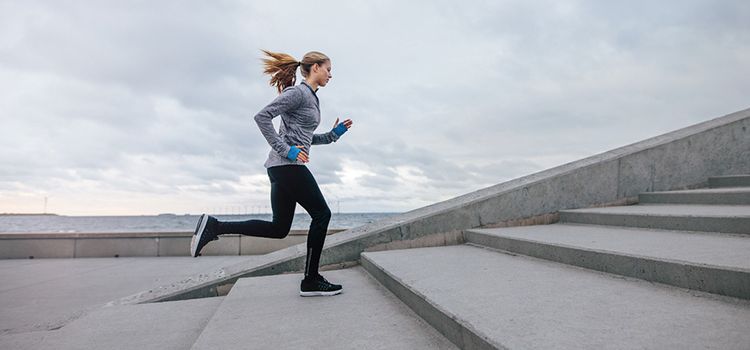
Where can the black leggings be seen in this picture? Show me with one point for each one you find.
(290, 184)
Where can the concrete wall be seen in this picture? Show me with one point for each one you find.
(89, 245)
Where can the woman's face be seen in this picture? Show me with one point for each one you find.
(322, 73)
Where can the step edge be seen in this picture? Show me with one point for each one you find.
(702, 191)
(613, 252)
(216, 311)
(627, 228)
(594, 210)
(695, 198)
(651, 215)
(728, 181)
(661, 263)
(700, 223)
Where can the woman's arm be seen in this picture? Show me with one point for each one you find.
(326, 138)
(289, 99)
(333, 135)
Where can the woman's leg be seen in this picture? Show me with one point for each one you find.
(307, 194)
(290, 184)
(282, 205)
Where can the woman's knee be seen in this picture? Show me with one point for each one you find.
(281, 230)
(322, 215)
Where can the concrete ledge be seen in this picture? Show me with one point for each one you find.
(108, 247)
(79, 235)
(37, 248)
(256, 245)
(125, 244)
(433, 240)
(174, 246)
(682, 159)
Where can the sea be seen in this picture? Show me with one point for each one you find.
(158, 223)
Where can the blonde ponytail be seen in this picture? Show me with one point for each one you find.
(283, 67)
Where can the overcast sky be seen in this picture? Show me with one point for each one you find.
(145, 107)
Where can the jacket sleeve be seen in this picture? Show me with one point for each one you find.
(289, 99)
(326, 138)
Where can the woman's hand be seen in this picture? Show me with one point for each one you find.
(340, 129)
(296, 153)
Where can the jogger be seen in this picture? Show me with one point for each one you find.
(291, 181)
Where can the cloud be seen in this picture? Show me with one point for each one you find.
(153, 102)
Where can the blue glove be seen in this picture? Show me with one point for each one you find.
(340, 129)
(293, 152)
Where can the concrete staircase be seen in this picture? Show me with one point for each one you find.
(672, 272)
(588, 281)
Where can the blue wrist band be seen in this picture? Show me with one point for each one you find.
(293, 152)
(340, 129)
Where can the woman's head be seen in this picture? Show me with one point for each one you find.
(282, 68)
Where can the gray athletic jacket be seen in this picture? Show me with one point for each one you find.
(299, 109)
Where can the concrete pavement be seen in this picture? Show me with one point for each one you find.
(172, 325)
(44, 294)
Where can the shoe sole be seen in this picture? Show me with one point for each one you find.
(315, 294)
(197, 235)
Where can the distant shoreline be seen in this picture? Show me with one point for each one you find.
(56, 223)
(177, 215)
(28, 214)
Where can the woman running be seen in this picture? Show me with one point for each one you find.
(291, 181)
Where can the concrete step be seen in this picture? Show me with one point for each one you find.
(268, 313)
(167, 325)
(707, 218)
(484, 299)
(709, 262)
(729, 181)
(727, 196)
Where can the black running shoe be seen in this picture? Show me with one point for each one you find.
(318, 286)
(204, 233)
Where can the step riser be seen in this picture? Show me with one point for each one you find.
(695, 198)
(730, 181)
(455, 331)
(739, 225)
(731, 283)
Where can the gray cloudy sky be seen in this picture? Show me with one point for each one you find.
(144, 107)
